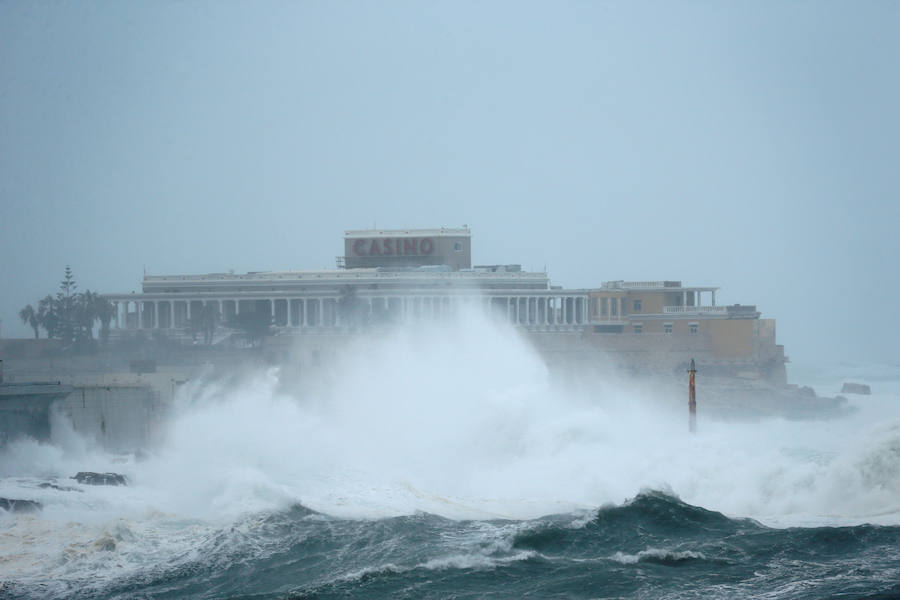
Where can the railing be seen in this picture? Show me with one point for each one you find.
(641, 284)
(673, 310)
(345, 274)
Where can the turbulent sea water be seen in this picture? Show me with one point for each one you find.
(448, 464)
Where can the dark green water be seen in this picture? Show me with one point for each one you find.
(654, 546)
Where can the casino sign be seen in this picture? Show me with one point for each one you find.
(407, 246)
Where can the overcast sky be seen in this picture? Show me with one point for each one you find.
(754, 146)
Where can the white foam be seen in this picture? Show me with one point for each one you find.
(457, 419)
(656, 553)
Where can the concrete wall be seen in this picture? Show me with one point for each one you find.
(25, 409)
(118, 417)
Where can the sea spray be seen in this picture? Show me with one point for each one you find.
(461, 418)
(428, 458)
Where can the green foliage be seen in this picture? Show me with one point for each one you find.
(256, 324)
(70, 316)
(29, 316)
(203, 322)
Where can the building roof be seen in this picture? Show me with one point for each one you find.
(391, 233)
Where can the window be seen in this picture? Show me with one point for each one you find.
(457, 246)
(613, 307)
(603, 306)
(667, 327)
(639, 328)
(693, 327)
(637, 305)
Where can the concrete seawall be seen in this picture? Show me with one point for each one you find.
(117, 417)
(117, 412)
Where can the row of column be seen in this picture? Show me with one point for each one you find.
(608, 308)
(332, 311)
(165, 314)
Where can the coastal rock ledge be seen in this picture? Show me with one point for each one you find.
(856, 388)
(90, 478)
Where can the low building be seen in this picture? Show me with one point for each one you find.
(389, 276)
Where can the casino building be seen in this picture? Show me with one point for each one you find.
(396, 276)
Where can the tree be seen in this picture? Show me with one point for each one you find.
(48, 316)
(70, 316)
(29, 316)
(350, 307)
(104, 312)
(256, 324)
(65, 307)
(203, 321)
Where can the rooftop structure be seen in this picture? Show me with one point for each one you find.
(407, 248)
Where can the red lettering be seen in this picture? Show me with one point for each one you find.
(358, 248)
(387, 246)
(426, 246)
(374, 249)
(410, 246)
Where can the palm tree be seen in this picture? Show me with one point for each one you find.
(104, 312)
(48, 315)
(30, 317)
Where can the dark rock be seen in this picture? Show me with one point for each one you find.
(856, 388)
(89, 478)
(61, 488)
(19, 505)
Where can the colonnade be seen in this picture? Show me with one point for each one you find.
(544, 310)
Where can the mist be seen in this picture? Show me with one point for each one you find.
(750, 147)
(461, 418)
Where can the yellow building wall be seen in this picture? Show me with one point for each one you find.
(651, 303)
(731, 337)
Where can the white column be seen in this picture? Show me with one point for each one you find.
(714, 297)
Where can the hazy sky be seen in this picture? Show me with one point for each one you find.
(754, 146)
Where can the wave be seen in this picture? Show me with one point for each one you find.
(657, 555)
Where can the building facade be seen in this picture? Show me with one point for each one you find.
(399, 276)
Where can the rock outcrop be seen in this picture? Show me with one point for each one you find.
(856, 388)
(12, 505)
(90, 478)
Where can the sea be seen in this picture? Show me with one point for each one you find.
(448, 462)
